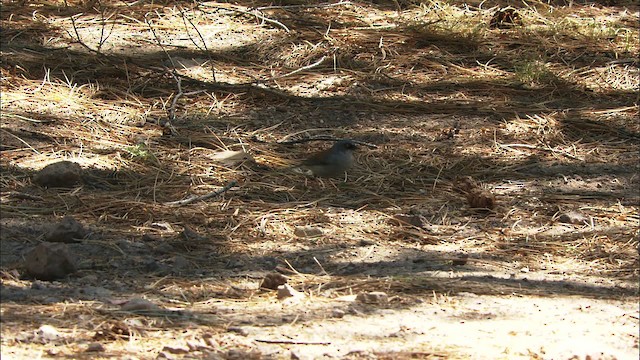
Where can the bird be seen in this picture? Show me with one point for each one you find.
(332, 162)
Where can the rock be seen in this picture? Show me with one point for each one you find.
(272, 281)
(163, 355)
(94, 293)
(66, 231)
(49, 261)
(465, 184)
(175, 350)
(190, 235)
(338, 313)
(308, 231)
(238, 330)
(180, 264)
(231, 157)
(481, 199)
(573, 217)
(237, 354)
(95, 347)
(139, 304)
(460, 259)
(366, 242)
(196, 345)
(59, 174)
(477, 197)
(374, 297)
(286, 291)
(413, 220)
(46, 334)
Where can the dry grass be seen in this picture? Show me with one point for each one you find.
(544, 114)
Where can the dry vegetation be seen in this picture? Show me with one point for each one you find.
(145, 95)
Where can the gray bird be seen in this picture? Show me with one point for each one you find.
(332, 162)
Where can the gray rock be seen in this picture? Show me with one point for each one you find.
(66, 231)
(286, 291)
(46, 334)
(308, 231)
(573, 217)
(272, 281)
(180, 264)
(95, 347)
(374, 297)
(139, 304)
(59, 174)
(49, 261)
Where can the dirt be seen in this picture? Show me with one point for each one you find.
(542, 264)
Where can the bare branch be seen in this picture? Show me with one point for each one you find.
(325, 138)
(75, 29)
(195, 198)
(326, 5)
(204, 43)
(255, 13)
(310, 66)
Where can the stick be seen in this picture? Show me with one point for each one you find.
(195, 198)
(254, 13)
(174, 74)
(20, 117)
(293, 342)
(325, 138)
(172, 108)
(310, 66)
(273, 7)
(204, 44)
(75, 29)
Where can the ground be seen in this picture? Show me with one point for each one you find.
(536, 107)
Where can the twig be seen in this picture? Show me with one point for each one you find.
(20, 117)
(255, 13)
(294, 342)
(75, 29)
(24, 196)
(534, 147)
(172, 108)
(326, 5)
(195, 198)
(22, 141)
(321, 267)
(292, 268)
(104, 39)
(204, 44)
(310, 66)
(325, 138)
(174, 74)
(153, 31)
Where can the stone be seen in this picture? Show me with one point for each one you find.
(481, 199)
(272, 281)
(308, 231)
(180, 264)
(66, 231)
(286, 291)
(49, 261)
(46, 334)
(573, 217)
(238, 330)
(175, 350)
(59, 174)
(95, 347)
(374, 297)
(139, 304)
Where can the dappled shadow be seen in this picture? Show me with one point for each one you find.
(138, 240)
